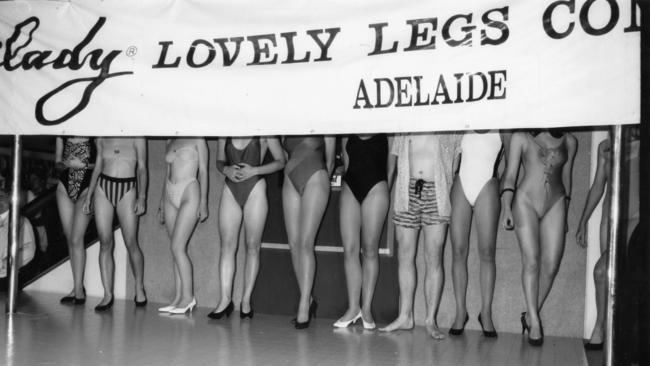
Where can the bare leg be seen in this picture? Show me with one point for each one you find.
(104, 220)
(434, 275)
(74, 223)
(600, 281)
(407, 240)
(461, 222)
(373, 214)
(291, 208)
(186, 220)
(230, 218)
(350, 223)
(129, 224)
(170, 220)
(486, 213)
(255, 212)
(551, 236)
(527, 230)
(312, 207)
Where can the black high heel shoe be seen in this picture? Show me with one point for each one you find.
(140, 304)
(74, 300)
(487, 333)
(108, 305)
(312, 313)
(525, 327)
(219, 314)
(243, 315)
(459, 331)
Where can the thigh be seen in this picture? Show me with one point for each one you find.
(186, 219)
(255, 212)
(126, 215)
(230, 217)
(66, 208)
(373, 213)
(169, 215)
(81, 220)
(291, 210)
(526, 229)
(104, 212)
(486, 214)
(407, 242)
(461, 216)
(434, 239)
(349, 218)
(551, 232)
(313, 204)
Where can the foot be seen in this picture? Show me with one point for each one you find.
(488, 325)
(434, 331)
(349, 315)
(245, 307)
(403, 322)
(303, 314)
(459, 320)
(107, 298)
(534, 329)
(366, 315)
(140, 295)
(223, 304)
(184, 302)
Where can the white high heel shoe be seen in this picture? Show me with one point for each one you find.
(345, 324)
(184, 310)
(166, 309)
(367, 325)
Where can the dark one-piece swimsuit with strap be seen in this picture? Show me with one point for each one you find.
(76, 180)
(306, 157)
(367, 164)
(250, 155)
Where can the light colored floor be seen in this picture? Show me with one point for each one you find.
(44, 332)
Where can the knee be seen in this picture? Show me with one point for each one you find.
(351, 252)
(370, 253)
(106, 245)
(252, 248)
(131, 244)
(405, 253)
(530, 266)
(550, 266)
(487, 255)
(459, 253)
(228, 246)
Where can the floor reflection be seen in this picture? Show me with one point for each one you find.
(49, 333)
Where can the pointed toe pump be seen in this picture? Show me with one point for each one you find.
(459, 331)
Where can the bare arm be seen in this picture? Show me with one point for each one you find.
(99, 165)
(229, 171)
(202, 148)
(278, 158)
(510, 178)
(593, 197)
(391, 163)
(330, 152)
(567, 170)
(141, 174)
(346, 157)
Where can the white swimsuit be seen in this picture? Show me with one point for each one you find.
(479, 161)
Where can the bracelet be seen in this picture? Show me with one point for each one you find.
(507, 190)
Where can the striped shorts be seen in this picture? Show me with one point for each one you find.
(423, 207)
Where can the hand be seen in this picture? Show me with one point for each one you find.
(507, 219)
(231, 173)
(75, 162)
(140, 206)
(161, 214)
(202, 212)
(86, 208)
(245, 171)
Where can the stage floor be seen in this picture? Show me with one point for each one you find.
(44, 332)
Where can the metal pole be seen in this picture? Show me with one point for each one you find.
(614, 226)
(14, 233)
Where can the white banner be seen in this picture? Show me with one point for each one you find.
(206, 67)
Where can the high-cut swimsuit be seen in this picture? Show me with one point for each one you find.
(542, 186)
(182, 155)
(250, 155)
(306, 157)
(367, 164)
(480, 156)
(115, 188)
(76, 180)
